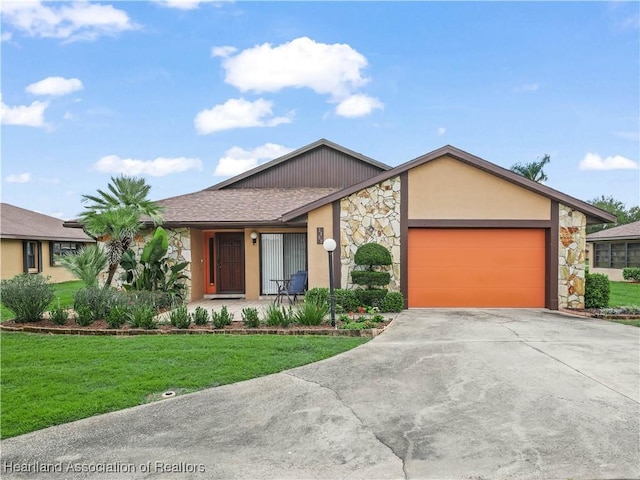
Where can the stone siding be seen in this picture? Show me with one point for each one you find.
(371, 215)
(571, 257)
(179, 251)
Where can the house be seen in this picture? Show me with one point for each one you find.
(29, 242)
(613, 249)
(462, 231)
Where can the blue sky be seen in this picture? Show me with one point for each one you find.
(188, 93)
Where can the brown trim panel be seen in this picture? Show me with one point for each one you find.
(426, 223)
(404, 237)
(337, 257)
(552, 258)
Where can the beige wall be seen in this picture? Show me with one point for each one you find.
(11, 262)
(317, 255)
(449, 189)
(197, 263)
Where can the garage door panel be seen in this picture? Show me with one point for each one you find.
(476, 267)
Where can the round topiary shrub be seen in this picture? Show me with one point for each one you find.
(372, 254)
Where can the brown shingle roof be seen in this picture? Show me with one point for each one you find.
(621, 232)
(16, 222)
(246, 205)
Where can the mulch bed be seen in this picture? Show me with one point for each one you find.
(99, 327)
(597, 313)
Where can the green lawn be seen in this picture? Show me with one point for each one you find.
(63, 291)
(48, 380)
(624, 294)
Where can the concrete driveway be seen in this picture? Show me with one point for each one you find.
(443, 394)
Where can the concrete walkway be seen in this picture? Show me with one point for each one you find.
(442, 394)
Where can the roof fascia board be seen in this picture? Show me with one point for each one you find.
(591, 211)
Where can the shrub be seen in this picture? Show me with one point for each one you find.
(200, 316)
(310, 313)
(142, 316)
(179, 317)
(250, 317)
(631, 273)
(221, 319)
(318, 294)
(275, 315)
(597, 289)
(158, 300)
(98, 300)
(372, 254)
(27, 296)
(368, 277)
(84, 315)
(392, 302)
(59, 315)
(371, 298)
(346, 300)
(117, 316)
(357, 325)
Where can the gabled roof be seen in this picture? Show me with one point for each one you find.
(296, 153)
(237, 207)
(630, 231)
(19, 223)
(594, 214)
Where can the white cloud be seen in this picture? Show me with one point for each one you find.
(238, 160)
(441, 131)
(593, 161)
(55, 86)
(237, 113)
(156, 168)
(223, 52)
(19, 178)
(183, 4)
(5, 36)
(79, 20)
(25, 115)
(531, 87)
(326, 69)
(358, 105)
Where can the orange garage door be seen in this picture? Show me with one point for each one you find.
(476, 267)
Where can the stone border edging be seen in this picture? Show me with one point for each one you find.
(368, 332)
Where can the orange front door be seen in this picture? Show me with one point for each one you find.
(476, 268)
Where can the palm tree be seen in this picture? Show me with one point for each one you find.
(115, 216)
(534, 170)
(86, 264)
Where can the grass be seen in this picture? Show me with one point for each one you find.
(633, 323)
(112, 373)
(624, 294)
(63, 291)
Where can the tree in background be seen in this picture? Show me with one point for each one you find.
(533, 170)
(114, 216)
(616, 207)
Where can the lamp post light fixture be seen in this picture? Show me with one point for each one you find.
(254, 237)
(330, 245)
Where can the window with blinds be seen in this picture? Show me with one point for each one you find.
(281, 255)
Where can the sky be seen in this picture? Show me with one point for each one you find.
(187, 93)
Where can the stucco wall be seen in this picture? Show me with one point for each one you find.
(11, 262)
(449, 189)
(571, 257)
(316, 254)
(371, 215)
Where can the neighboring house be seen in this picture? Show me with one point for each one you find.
(462, 231)
(29, 241)
(613, 249)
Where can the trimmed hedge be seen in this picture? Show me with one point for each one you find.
(372, 254)
(371, 298)
(597, 290)
(631, 273)
(368, 277)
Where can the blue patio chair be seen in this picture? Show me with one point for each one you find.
(296, 286)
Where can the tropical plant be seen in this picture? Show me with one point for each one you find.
(114, 216)
(310, 313)
(275, 315)
(533, 170)
(27, 296)
(85, 264)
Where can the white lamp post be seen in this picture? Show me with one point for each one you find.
(330, 245)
